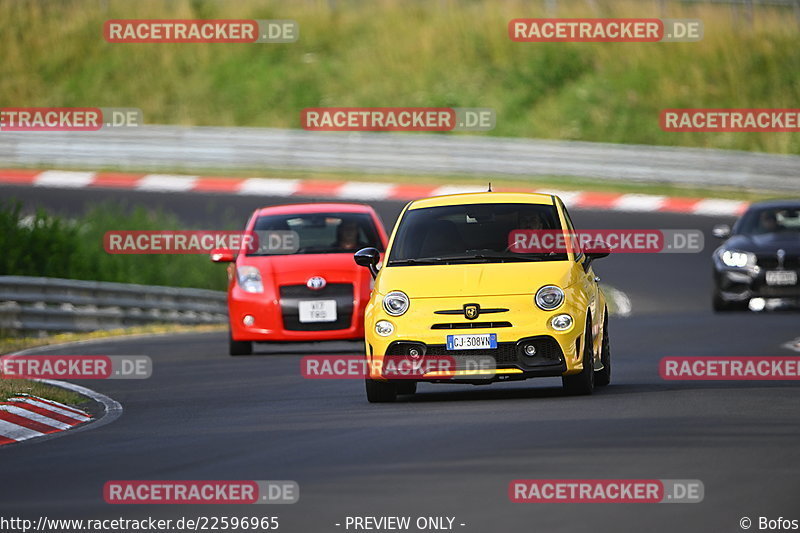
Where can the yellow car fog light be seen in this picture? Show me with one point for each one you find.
(529, 349)
(561, 322)
(384, 328)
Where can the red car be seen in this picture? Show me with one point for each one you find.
(307, 287)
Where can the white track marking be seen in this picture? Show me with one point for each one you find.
(111, 408)
(166, 182)
(365, 190)
(714, 206)
(63, 412)
(57, 404)
(639, 202)
(36, 417)
(458, 189)
(269, 187)
(360, 190)
(15, 432)
(64, 178)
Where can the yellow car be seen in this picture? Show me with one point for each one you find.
(452, 288)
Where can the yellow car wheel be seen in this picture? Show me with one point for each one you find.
(407, 386)
(380, 391)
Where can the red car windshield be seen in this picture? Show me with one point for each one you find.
(323, 233)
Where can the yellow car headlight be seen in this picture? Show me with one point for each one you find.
(549, 297)
(395, 303)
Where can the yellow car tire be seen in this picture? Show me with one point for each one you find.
(380, 391)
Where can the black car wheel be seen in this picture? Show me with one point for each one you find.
(239, 347)
(380, 391)
(407, 387)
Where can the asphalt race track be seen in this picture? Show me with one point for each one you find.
(451, 450)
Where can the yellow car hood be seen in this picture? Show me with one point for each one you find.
(480, 279)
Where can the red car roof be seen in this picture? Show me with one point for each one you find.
(298, 209)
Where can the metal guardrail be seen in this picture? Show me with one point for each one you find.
(177, 148)
(34, 304)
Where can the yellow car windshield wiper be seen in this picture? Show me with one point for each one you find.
(492, 257)
(415, 261)
(463, 258)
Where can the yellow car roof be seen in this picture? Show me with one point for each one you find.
(483, 198)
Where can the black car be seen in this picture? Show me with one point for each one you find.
(758, 265)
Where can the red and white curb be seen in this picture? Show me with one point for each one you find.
(24, 417)
(354, 190)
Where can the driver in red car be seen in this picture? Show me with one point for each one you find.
(347, 236)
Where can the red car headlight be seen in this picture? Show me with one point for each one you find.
(249, 279)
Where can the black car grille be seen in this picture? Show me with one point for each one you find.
(471, 325)
(790, 262)
(548, 352)
(291, 295)
(778, 291)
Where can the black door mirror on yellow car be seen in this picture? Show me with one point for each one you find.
(368, 257)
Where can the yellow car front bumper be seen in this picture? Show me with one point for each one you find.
(513, 319)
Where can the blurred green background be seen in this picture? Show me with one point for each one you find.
(411, 53)
(44, 244)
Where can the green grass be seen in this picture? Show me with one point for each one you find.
(409, 53)
(13, 387)
(47, 245)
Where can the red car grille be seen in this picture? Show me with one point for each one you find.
(291, 295)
